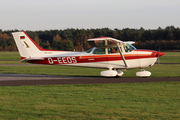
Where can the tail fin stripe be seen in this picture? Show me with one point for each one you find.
(33, 42)
(26, 44)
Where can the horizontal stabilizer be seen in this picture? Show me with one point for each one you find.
(32, 58)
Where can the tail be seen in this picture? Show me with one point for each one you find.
(26, 46)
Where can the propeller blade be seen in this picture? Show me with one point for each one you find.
(159, 56)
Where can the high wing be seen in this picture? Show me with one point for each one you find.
(103, 42)
(106, 42)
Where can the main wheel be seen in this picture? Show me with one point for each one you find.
(143, 73)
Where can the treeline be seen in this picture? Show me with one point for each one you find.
(76, 39)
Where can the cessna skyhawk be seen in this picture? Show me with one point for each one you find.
(109, 53)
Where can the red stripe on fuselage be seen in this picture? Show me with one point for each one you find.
(87, 59)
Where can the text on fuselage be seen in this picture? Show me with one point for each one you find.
(62, 60)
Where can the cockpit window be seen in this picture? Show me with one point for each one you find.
(113, 50)
(88, 51)
(128, 47)
(99, 51)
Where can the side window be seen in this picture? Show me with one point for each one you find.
(113, 50)
(99, 51)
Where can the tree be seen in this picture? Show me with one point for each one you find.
(46, 45)
(69, 46)
(36, 39)
(57, 38)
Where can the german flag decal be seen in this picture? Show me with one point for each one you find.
(22, 37)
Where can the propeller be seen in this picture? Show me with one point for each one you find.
(159, 56)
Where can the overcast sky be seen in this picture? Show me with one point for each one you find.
(87, 14)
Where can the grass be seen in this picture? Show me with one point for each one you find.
(51, 70)
(97, 101)
(11, 62)
(158, 70)
(9, 56)
(171, 59)
(172, 54)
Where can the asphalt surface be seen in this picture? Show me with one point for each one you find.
(21, 79)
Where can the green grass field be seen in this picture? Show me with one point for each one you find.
(97, 101)
(9, 56)
(158, 100)
(170, 57)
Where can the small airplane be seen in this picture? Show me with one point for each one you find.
(109, 53)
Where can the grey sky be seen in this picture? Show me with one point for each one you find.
(62, 14)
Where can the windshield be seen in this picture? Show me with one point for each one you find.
(88, 51)
(128, 47)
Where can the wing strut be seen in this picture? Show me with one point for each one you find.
(122, 55)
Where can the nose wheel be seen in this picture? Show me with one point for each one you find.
(143, 73)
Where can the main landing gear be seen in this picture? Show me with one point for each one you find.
(111, 73)
(143, 73)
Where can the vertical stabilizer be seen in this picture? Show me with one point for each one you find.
(26, 46)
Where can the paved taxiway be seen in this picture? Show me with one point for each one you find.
(21, 79)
